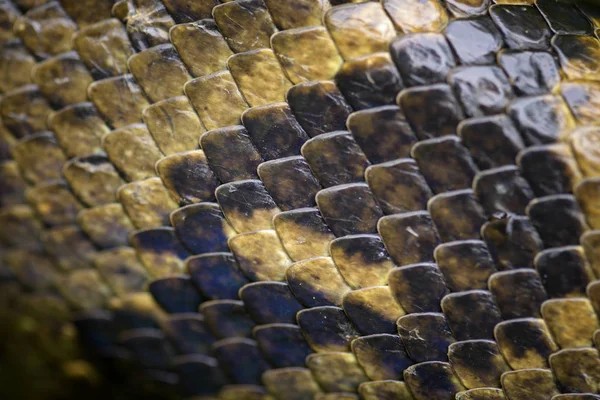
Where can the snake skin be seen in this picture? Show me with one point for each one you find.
(300, 199)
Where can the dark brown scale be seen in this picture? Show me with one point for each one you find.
(440, 101)
(471, 314)
(398, 186)
(492, 140)
(9, 14)
(282, 345)
(216, 275)
(189, 334)
(227, 318)
(290, 182)
(502, 190)
(96, 328)
(198, 374)
(274, 131)
(176, 294)
(409, 238)
(335, 159)
(239, 161)
(383, 133)
(445, 163)
(523, 27)
(319, 107)
(327, 328)
(418, 287)
(432, 380)
(564, 17)
(433, 338)
(549, 169)
(456, 215)
(369, 81)
(241, 360)
(188, 177)
(382, 356)
(149, 347)
(202, 228)
(558, 219)
(349, 209)
(478, 363)
(564, 271)
(466, 265)
(482, 90)
(270, 302)
(88, 12)
(518, 293)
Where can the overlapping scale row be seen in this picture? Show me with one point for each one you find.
(392, 199)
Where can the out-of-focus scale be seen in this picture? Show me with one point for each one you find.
(301, 199)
